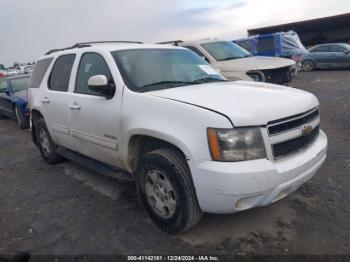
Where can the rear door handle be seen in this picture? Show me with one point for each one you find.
(45, 100)
(75, 107)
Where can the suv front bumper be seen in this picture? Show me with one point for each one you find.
(224, 188)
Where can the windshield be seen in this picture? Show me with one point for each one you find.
(155, 69)
(225, 50)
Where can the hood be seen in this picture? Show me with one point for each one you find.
(22, 94)
(254, 63)
(245, 103)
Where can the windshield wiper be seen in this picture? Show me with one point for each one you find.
(228, 58)
(164, 83)
(208, 79)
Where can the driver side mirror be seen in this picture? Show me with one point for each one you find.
(205, 59)
(100, 84)
(347, 52)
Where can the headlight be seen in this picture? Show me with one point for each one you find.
(256, 76)
(239, 144)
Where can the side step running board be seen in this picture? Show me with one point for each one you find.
(120, 175)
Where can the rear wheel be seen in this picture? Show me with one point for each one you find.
(46, 145)
(22, 121)
(308, 65)
(166, 190)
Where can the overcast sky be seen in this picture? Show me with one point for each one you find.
(31, 27)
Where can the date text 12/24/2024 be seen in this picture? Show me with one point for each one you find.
(173, 258)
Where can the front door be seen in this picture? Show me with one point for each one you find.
(321, 55)
(94, 120)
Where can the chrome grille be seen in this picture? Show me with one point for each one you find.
(290, 135)
(295, 145)
(295, 122)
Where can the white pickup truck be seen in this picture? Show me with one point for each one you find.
(235, 63)
(161, 116)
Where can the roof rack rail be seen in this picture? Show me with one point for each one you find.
(176, 42)
(108, 42)
(66, 48)
(88, 44)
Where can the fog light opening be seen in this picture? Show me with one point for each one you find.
(247, 202)
(283, 194)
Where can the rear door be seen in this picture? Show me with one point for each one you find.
(55, 100)
(95, 121)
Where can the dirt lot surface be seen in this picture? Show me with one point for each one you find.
(67, 209)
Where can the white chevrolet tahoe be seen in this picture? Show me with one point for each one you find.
(161, 116)
(235, 63)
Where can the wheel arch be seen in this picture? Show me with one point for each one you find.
(141, 144)
(309, 59)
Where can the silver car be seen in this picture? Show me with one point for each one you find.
(327, 56)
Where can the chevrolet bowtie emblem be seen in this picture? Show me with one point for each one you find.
(306, 130)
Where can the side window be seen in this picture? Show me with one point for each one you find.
(265, 45)
(39, 72)
(245, 44)
(19, 84)
(91, 64)
(60, 75)
(336, 48)
(3, 86)
(320, 49)
(196, 50)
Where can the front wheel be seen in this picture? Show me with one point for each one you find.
(166, 190)
(308, 65)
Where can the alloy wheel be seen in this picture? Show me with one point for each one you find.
(160, 194)
(308, 65)
(44, 141)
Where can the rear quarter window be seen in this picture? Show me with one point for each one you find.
(39, 72)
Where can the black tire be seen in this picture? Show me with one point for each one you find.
(22, 121)
(49, 150)
(174, 167)
(308, 65)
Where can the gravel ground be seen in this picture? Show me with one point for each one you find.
(67, 209)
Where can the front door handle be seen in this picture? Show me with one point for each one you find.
(45, 100)
(75, 106)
